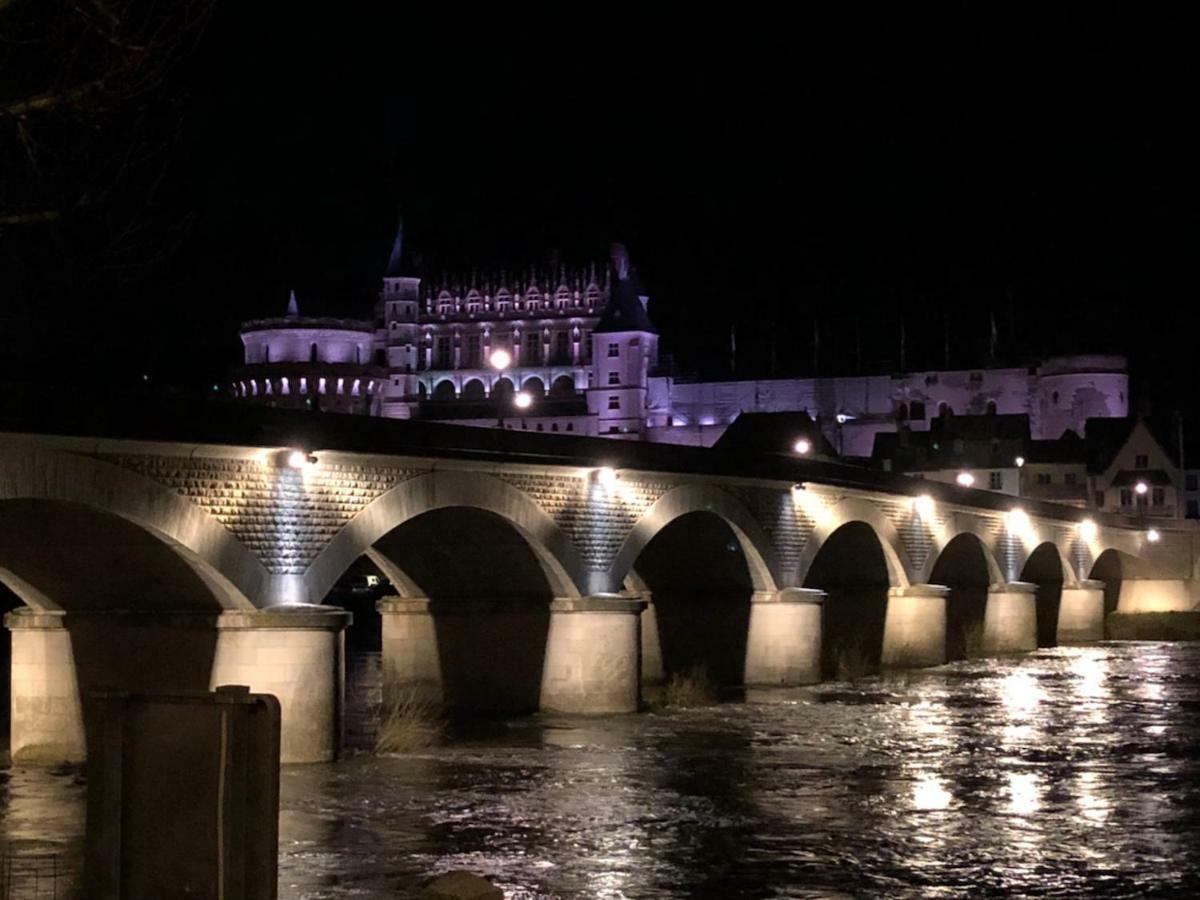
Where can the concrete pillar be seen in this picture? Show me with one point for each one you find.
(914, 628)
(46, 723)
(296, 653)
(1081, 613)
(1143, 595)
(652, 663)
(593, 654)
(411, 663)
(783, 641)
(1010, 619)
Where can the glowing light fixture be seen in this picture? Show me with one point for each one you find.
(1153, 536)
(606, 476)
(1088, 530)
(523, 400)
(964, 479)
(802, 446)
(1141, 487)
(1018, 519)
(500, 359)
(843, 418)
(298, 459)
(1020, 461)
(924, 506)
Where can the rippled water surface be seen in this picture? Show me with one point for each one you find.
(1065, 773)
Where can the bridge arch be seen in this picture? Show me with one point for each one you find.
(699, 498)
(554, 550)
(854, 510)
(98, 501)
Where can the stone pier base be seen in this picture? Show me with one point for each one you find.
(783, 643)
(59, 659)
(411, 663)
(592, 655)
(1010, 619)
(296, 653)
(46, 713)
(914, 629)
(1081, 613)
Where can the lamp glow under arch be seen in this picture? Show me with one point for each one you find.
(605, 476)
(1088, 529)
(924, 506)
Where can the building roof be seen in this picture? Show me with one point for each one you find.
(1106, 438)
(1009, 427)
(625, 311)
(773, 433)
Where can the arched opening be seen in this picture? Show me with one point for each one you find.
(444, 391)
(963, 567)
(473, 390)
(698, 576)
(312, 352)
(138, 614)
(1044, 568)
(535, 387)
(851, 568)
(422, 391)
(503, 392)
(1111, 567)
(563, 386)
(489, 606)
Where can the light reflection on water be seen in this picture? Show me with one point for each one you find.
(1068, 772)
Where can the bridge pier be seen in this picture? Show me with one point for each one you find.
(914, 629)
(1081, 613)
(783, 642)
(652, 660)
(296, 653)
(411, 662)
(1145, 595)
(59, 659)
(46, 723)
(593, 651)
(1010, 619)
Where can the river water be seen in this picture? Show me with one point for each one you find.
(1069, 772)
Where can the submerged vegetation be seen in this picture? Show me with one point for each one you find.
(693, 686)
(409, 721)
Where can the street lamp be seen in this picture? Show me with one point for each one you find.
(523, 400)
(964, 479)
(500, 359)
(1020, 463)
(802, 446)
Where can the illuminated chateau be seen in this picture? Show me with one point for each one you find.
(581, 356)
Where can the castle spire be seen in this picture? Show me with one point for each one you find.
(293, 310)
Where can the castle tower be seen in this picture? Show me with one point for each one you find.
(399, 303)
(624, 351)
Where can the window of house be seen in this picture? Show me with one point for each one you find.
(570, 426)
(533, 349)
(1099, 499)
(1069, 478)
(1193, 509)
(1126, 497)
(995, 481)
(614, 377)
(902, 412)
(614, 402)
(1158, 497)
(614, 349)
(1190, 483)
(1141, 461)
(1043, 478)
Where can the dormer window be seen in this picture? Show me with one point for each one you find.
(445, 303)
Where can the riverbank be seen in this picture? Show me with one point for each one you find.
(1163, 626)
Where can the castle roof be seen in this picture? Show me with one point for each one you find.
(395, 266)
(625, 311)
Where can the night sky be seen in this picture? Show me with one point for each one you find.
(766, 169)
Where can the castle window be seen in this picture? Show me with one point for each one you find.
(266, 353)
(312, 353)
(614, 350)
(991, 407)
(614, 377)
(533, 349)
(614, 402)
(570, 426)
(916, 410)
(902, 412)
(1099, 499)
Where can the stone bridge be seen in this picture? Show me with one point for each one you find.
(531, 571)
